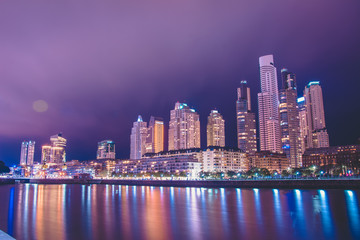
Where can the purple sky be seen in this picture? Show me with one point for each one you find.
(98, 64)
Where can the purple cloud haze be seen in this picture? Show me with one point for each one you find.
(98, 64)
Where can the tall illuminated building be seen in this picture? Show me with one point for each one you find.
(215, 129)
(58, 144)
(289, 119)
(302, 123)
(27, 153)
(317, 136)
(184, 128)
(138, 137)
(45, 154)
(106, 150)
(55, 152)
(245, 119)
(268, 103)
(155, 137)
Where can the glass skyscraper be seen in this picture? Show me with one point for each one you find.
(245, 118)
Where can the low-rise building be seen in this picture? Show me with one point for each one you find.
(348, 156)
(270, 160)
(181, 164)
(218, 159)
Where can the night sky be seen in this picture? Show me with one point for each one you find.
(98, 64)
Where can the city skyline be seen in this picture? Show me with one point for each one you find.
(123, 79)
(287, 80)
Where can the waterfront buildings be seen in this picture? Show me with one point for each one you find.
(27, 153)
(212, 159)
(55, 152)
(317, 136)
(155, 137)
(346, 156)
(215, 129)
(138, 137)
(106, 150)
(182, 165)
(270, 160)
(246, 125)
(184, 128)
(289, 119)
(217, 159)
(268, 103)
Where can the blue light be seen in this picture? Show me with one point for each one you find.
(313, 83)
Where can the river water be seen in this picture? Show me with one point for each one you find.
(31, 211)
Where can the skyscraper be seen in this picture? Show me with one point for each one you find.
(155, 138)
(215, 129)
(245, 118)
(45, 154)
(302, 123)
(317, 135)
(58, 144)
(138, 139)
(27, 153)
(55, 152)
(289, 119)
(106, 150)
(184, 128)
(268, 99)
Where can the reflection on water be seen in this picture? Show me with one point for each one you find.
(30, 211)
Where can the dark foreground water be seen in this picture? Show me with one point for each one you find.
(30, 211)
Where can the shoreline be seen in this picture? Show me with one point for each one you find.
(268, 183)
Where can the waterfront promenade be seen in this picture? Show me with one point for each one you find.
(339, 183)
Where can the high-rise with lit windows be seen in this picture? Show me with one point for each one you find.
(184, 128)
(245, 119)
(215, 129)
(155, 137)
(268, 103)
(138, 137)
(317, 136)
(106, 150)
(302, 123)
(55, 152)
(289, 119)
(27, 153)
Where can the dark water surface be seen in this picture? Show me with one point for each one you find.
(31, 211)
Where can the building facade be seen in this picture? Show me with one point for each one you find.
(289, 119)
(268, 103)
(347, 156)
(27, 153)
(184, 128)
(217, 159)
(138, 138)
(106, 150)
(155, 137)
(215, 129)
(55, 152)
(270, 160)
(317, 136)
(245, 119)
(302, 123)
(182, 165)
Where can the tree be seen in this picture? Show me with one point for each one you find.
(4, 168)
(285, 173)
(264, 172)
(230, 174)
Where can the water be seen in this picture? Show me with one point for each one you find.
(31, 211)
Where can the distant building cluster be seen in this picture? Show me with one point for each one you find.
(292, 133)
